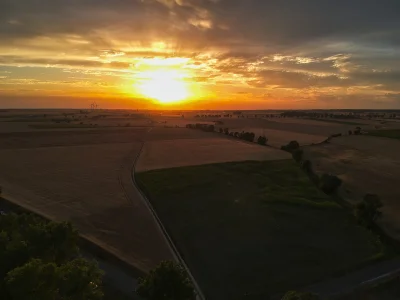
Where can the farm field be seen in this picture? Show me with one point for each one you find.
(294, 125)
(249, 230)
(388, 133)
(88, 184)
(187, 152)
(278, 138)
(366, 164)
(52, 138)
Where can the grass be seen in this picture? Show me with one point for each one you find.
(252, 229)
(388, 133)
(337, 121)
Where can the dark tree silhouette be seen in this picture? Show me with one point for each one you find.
(329, 183)
(168, 281)
(367, 211)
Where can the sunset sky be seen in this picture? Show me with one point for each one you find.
(200, 54)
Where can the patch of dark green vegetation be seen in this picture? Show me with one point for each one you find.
(249, 230)
(337, 121)
(388, 133)
(40, 259)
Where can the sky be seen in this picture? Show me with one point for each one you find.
(200, 54)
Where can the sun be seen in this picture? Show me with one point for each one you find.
(164, 85)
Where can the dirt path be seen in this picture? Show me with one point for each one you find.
(168, 240)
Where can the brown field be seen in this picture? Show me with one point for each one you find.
(84, 175)
(188, 152)
(281, 131)
(366, 165)
(85, 179)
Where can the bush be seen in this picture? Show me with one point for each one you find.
(329, 183)
(307, 166)
(168, 281)
(221, 130)
(292, 146)
(247, 136)
(262, 140)
(336, 135)
(350, 132)
(226, 131)
(298, 155)
(293, 295)
(367, 211)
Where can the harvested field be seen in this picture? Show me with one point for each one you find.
(278, 138)
(356, 122)
(189, 152)
(52, 138)
(249, 230)
(160, 133)
(366, 165)
(300, 126)
(90, 186)
(304, 122)
(8, 127)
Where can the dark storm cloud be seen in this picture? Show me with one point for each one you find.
(273, 24)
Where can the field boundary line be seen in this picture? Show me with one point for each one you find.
(162, 228)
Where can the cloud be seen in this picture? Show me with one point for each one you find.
(275, 46)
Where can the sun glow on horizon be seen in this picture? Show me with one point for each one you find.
(167, 86)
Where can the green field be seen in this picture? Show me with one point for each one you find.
(388, 133)
(252, 229)
(337, 121)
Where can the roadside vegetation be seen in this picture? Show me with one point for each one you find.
(278, 228)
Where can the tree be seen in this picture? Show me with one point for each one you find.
(262, 140)
(329, 183)
(34, 280)
(293, 295)
(292, 146)
(38, 257)
(168, 281)
(75, 280)
(307, 166)
(297, 155)
(367, 211)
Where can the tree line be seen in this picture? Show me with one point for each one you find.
(244, 135)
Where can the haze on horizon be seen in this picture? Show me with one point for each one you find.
(200, 54)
